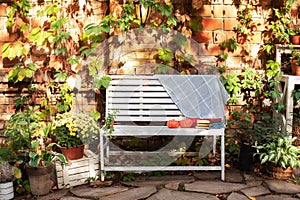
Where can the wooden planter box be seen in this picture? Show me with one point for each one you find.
(78, 171)
(6, 191)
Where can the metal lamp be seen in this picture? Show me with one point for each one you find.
(142, 12)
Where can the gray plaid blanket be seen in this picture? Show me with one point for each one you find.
(197, 96)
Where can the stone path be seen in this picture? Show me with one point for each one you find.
(198, 186)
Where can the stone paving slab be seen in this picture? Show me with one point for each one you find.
(237, 196)
(256, 191)
(283, 187)
(165, 194)
(158, 181)
(208, 175)
(133, 194)
(55, 195)
(234, 176)
(172, 186)
(252, 177)
(72, 198)
(276, 197)
(254, 183)
(89, 192)
(214, 187)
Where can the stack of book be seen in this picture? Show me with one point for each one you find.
(203, 123)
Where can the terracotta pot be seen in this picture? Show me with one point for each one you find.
(73, 153)
(295, 68)
(279, 173)
(295, 39)
(39, 179)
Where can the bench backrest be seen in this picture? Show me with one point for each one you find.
(140, 99)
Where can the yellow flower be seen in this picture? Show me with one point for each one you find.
(72, 133)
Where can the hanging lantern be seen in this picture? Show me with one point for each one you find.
(142, 12)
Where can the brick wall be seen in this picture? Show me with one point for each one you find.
(219, 19)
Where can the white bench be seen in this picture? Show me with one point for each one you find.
(144, 107)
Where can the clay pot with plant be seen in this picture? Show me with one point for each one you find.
(28, 136)
(73, 130)
(280, 156)
(295, 62)
(295, 35)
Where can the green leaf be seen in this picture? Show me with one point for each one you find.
(172, 21)
(35, 144)
(92, 71)
(95, 114)
(58, 24)
(105, 81)
(5, 50)
(265, 159)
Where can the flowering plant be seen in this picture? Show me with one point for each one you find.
(74, 129)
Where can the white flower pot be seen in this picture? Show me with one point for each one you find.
(6, 190)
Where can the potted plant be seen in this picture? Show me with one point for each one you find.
(72, 131)
(29, 141)
(295, 62)
(6, 181)
(295, 35)
(280, 156)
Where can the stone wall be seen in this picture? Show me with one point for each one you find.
(219, 19)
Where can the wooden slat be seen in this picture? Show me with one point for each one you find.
(78, 171)
(137, 94)
(140, 100)
(125, 130)
(135, 82)
(117, 106)
(130, 77)
(135, 88)
(148, 112)
(147, 119)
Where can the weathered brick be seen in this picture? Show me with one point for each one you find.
(3, 9)
(260, 24)
(204, 11)
(2, 24)
(261, 2)
(234, 62)
(219, 36)
(218, 11)
(6, 37)
(230, 11)
(216, 1)
(256, 38)
(212, 24)
(230, 24)
(3, 99)
(234, 2)
(5, 117)
(99, 8)
(10, 108)
(231, 2)
(258, 12)
(230, 34)
(211, 49)
(202, 36)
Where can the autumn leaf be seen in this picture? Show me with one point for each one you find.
(197, 4)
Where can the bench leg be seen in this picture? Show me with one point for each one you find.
(214, 144)
(223, 157)
(101, 156)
